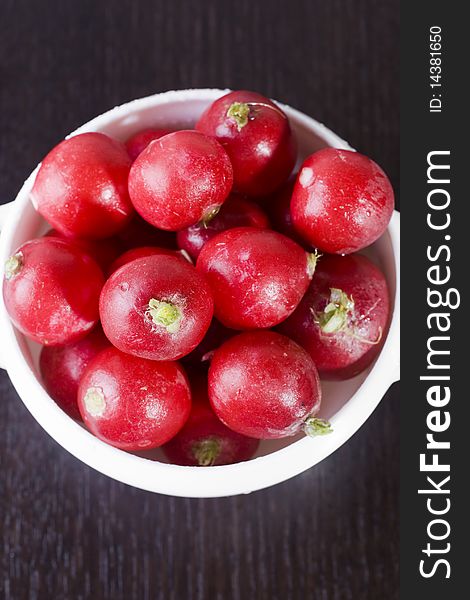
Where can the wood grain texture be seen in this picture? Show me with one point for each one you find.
(68, 532)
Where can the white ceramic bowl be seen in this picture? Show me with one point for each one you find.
(347, 404)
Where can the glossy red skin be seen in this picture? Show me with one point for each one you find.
(142, 252)
(257, 276)
(138, 142)
(124, 302)
(202, 354)
(203, 425)
(340, 355)
(139, 233)
(81, 186)
(263, 152)
(235, 212)
(146, 403)
(62, 368)
(263, 385)
(178, 180)
(342, 201)
(103, 251)
(53, 299)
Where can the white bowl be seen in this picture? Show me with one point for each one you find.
(347, 404)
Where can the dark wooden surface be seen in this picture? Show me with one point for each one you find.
(70, 533)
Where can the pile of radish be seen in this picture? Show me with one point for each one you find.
(193, 292)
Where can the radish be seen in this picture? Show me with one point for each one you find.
(343, 317)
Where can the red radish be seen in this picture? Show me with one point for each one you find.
(103, 251)
(257, 276)
(139, 141)
(142, 252)
(342, 201)
(343, 317)
(157, 307)
(51, 290)
(62, 368)
(277, 207)
(133, 403)
(256, 134)
(215, 336)
(205, 441)
(81, 186)
(264, 385)
(179, 180)
(235, 212)
(140, 233)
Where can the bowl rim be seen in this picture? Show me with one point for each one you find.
(218, 481)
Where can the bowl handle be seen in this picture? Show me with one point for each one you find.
(4, 210)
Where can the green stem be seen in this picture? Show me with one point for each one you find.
(13, 265)
(312, 259)
(315, 426)
(206, 451)
(94, 401)
(212, 212)
(239, 112)
(164, 314)
(337, 312)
